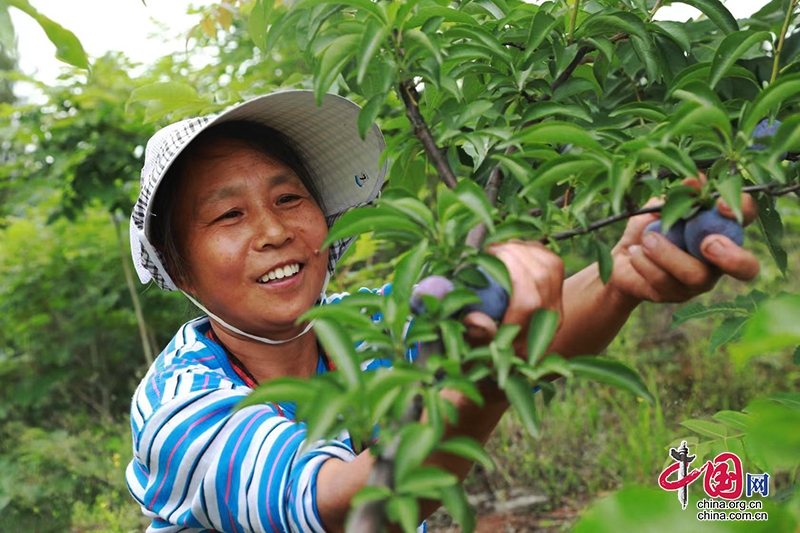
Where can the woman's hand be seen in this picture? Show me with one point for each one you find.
(537, 278)
(649, 267)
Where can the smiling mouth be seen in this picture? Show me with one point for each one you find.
(286, 271)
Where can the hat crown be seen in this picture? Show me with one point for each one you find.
(346, 169)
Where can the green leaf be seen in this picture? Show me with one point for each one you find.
(373, 8)
(772, 429)
(469, 449)
(771, 226)
(257, 23)
(556, 132)
(559, 170)
(678, 203)
(607, 23)
(339, 52)
(8, 38)
(455, 500)
(374, 35)
(734, 46)
(784, 88)
(696, 310)
(605, 262)
(730, 330)
(674, 31)
(521, 397)
(707, 429)
(456, 300)
(417, 441)
(796, 357)
(405, 511)
(423, 40)
(543, 326)
(620, 177)
(409, 268)
(786, 139)
(493, 267)
(700, 117)
(324, 417)
(773, 327)
(611, 373)
(427, 12)
(542, 110)
(518, 167)
(286, 389)
(543, 25)
(473, 197)
(340, 348)
(671, 158)
(370, 493)
(409, 206)
(646, 110)
(425, 481)
(68, 48)
(367, 219)
(733, 419)
(368, 114)
(731, 191)
(716, 13)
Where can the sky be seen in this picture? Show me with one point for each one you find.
(146, 32)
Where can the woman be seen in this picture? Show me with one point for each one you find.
(233, 211)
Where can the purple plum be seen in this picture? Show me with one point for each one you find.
(710, 222)
(674, 235)
(494, 299)
(436, 286)
(765, 130)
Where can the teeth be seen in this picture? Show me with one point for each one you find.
(281, 272)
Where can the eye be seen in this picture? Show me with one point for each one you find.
(288, 198)
(234, 213)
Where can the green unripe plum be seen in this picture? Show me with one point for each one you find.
(710, 222)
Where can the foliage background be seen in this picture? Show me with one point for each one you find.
(76, 334)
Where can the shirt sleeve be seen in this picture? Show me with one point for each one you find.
(200, 463)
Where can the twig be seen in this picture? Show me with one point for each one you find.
(769, 189)
(701, 164)
(776, 61)
(410, 98)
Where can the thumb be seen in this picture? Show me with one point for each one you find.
(481, 329)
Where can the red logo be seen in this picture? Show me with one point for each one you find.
(723, 476)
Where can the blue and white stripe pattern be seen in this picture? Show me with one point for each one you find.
(198, 465)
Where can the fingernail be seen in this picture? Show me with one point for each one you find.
(715, 248)
(650, 240)
(634, 249)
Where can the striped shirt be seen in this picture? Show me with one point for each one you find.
(198, 465)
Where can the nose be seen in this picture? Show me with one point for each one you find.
(271, 230)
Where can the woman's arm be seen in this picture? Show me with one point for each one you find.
(646, 267)
(339, 481)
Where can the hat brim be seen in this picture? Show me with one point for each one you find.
(347, 170)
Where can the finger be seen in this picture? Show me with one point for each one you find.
(661, 286)
(680, 265)
(749, 209)
(730, 258)
(481, 329)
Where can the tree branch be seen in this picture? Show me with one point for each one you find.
(770, 189)
(410, 98)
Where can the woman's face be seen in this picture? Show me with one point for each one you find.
(251, 234)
